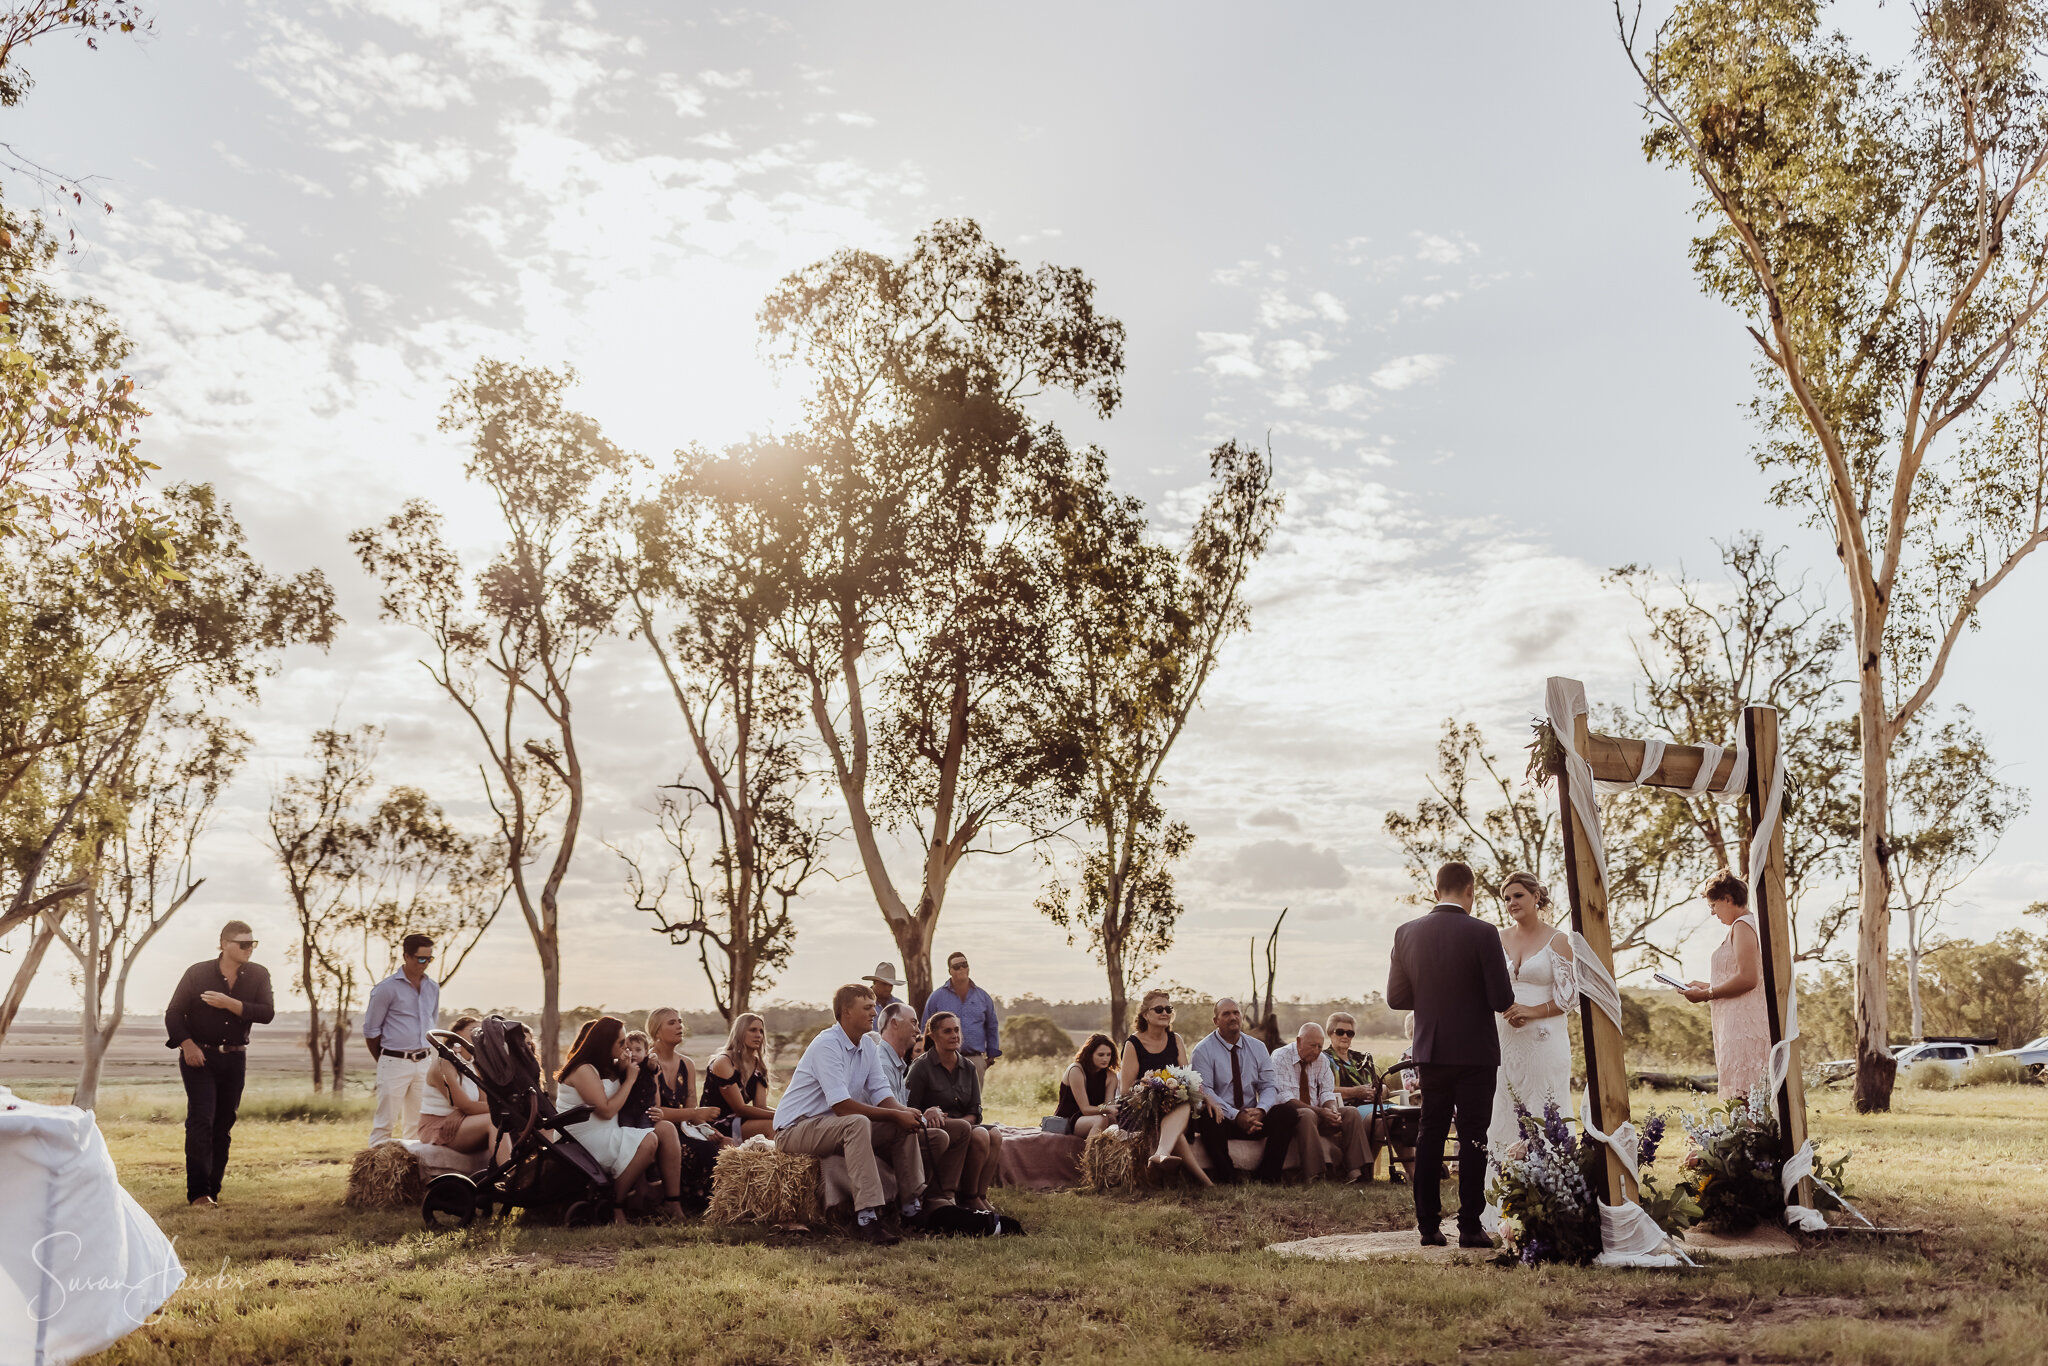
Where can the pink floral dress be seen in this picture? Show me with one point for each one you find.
(1742, 1028)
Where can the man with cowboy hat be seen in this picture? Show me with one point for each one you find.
(884, 977)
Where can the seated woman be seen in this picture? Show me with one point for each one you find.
(944, 1079)
(453, 1113)
(736, 1081)
(597, 1074)
(1742, 1027)
(1154, 1046)
(674, 1090)
(1089, 1090)
(1360, 1085)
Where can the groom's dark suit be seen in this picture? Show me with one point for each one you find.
(1449, 969)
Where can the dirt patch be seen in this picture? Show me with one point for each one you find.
(1633, 1337)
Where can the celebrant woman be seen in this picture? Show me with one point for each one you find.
(1154, 1046)
(1742, 1029)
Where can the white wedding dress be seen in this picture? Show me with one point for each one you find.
(1536, 1059)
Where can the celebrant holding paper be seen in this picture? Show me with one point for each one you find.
(1742, 1030)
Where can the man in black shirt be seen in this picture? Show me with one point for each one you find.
(208, 1023)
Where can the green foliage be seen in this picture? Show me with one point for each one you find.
(1034, 1036)
(1930, 1076)
(1663, 1027)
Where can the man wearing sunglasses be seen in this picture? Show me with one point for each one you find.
(208, 1023)
(402, 1008)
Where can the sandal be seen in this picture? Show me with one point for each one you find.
(1170, 1165)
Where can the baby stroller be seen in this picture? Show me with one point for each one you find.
(545, 1168)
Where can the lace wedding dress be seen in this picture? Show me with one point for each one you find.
(1536, 1059)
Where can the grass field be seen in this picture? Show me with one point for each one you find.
(283, 1273)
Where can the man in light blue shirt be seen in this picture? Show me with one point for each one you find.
(402, 1008)
(1239, 1094)
(839, 1101)
(980, 1040)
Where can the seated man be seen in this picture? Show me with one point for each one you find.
(945, 1139)
(1238, 1095)
(1304, 1079)
(838, 1101)
(1359, 1086)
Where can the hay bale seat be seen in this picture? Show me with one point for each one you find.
(1116, 1160)
(758, 1183)
(395, 1174)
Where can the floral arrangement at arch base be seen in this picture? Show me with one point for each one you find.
(1733, 1169)
(1548, 1183)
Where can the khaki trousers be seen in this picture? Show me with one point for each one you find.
(400, 1084)
(862, 1141)
(945, 1151)
(1354, 1152)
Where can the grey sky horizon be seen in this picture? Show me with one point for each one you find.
(1417, 249)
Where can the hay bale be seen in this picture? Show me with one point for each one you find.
(385, 1177)
(1111, 1159)
(757, 1183)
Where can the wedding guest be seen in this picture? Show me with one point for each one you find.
(673, 1090)
(208, 1023)
(596, 1073)
(838, 1101)
(1089, 1090)
(885, 981)
(638, 1111)
(736, 1080)
(1153, 1047)
(453, 1112)
(945, 1079)
(401, 1009)
(1304, 1079)
(975, 1009)
(1360, 1086)
(945, 1139)
(1238, 1095)
(1742, 1027)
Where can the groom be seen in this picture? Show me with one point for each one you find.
(1449, 969)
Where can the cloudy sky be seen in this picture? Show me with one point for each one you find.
(1416, 247)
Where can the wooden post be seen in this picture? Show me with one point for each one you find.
(1767, 898)
(1606, 1068)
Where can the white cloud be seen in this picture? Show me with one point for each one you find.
(1405, 371)
(1442, 251)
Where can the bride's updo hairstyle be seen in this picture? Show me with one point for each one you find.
(1528, 881)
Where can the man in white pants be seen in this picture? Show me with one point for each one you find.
(403, 1007)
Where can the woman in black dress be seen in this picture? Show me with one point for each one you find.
(1154, 1046)
(674, 1090)
(736, 1081)
(1088, 1092)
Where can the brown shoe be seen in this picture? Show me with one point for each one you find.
(204, 1202)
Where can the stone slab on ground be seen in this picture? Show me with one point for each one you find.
(1401, 1245)
(1765, 1240)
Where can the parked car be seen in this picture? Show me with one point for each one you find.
(1952, 1056)
(1946, 1053)
(2032, 1056)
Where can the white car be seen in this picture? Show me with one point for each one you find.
(1952, 1056)
(2029, 1055)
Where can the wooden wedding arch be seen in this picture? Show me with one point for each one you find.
(1756, 764)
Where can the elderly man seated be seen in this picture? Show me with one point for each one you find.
(1304, 1079)
(945, 1139)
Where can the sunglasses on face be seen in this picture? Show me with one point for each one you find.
(1162, 1010)
(1341, 1033)
(423, 958)
(243, 943)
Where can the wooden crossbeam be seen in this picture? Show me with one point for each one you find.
(1616, 760)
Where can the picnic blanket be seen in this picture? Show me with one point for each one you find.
(1035, 1160)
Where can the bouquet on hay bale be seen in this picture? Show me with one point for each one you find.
(1154, 1096)
(1733, 1171)
(1548, 1185)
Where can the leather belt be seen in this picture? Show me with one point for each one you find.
(413, 1056)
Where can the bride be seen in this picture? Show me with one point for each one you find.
(1535, 1044)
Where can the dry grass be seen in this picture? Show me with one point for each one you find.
(285, 1273)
